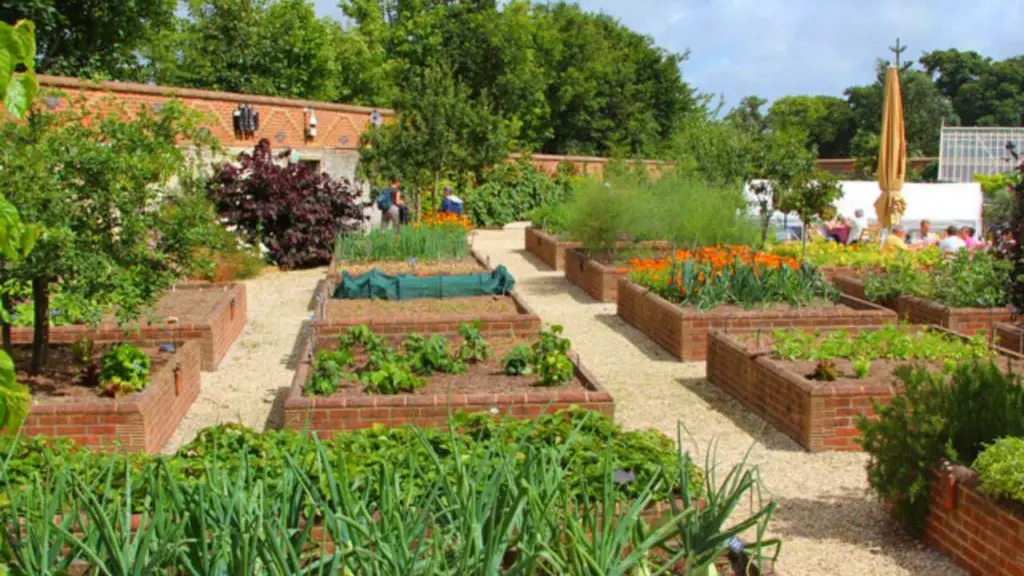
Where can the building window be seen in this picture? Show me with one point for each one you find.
(313, 165)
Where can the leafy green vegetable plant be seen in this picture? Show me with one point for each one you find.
(429, 355)
(965, 280)
(861, 367)
(329, 371)
(1000, 468)
(550, 359)
(124, 369)
(518, 361)
(474, 347)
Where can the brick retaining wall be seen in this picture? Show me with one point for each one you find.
(143, 421)
(1010, 336)
(547, 247)
(984, 537)
(215, 334)
(683, 332)
(326, 415)
(599, 280)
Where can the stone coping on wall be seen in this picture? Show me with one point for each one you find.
(683, 331)
(548, 247)
(326, 415)
(216, 331)
(819, 416)
(983, 536)
(143, 421)
(916, 310)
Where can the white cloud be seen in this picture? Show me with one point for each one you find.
(777, 47)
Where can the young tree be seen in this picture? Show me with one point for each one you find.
(439, 132)
(812, 197)
(781, 164)
(97, 186)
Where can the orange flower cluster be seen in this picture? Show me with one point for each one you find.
(443, 219)
(717, 257)
(717, 262)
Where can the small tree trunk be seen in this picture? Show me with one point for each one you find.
(41, 332)
(8, 305)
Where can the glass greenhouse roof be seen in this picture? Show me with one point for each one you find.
(966, 151)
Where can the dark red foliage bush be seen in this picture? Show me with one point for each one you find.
(295, 211)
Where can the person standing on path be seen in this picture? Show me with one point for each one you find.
(389, 202)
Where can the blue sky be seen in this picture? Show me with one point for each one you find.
(777, 47)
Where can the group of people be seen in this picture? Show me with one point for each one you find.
(954, 240)
(394, 213)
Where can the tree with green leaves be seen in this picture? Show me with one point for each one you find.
(18, 51)
(440, 132)
(97, 38)
(812, 198)
(782, 166)
(826, 120)
(98, 190)
(983, 91)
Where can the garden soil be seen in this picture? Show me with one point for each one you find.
(424, 310)
(61, 378)
(829, 522)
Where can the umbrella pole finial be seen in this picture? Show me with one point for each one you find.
(897, 50)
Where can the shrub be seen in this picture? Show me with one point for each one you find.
(823, 252)
(601, 214)
(1000, 468)
(552, 218)
(124, 369)
(293, 210)
(511, 190)
(965, 280)
(425, 243)
(710, 277)
(937, 415)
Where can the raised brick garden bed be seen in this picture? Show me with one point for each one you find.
(471, 264)
(818, 415)
(1010, 335)
(683, 331)
(548, 247)
(832, 272)
(920, 311)
(327, 414)
(598, 279)
(143, 421)
(984, 537)
(212, 314)
(498, 315)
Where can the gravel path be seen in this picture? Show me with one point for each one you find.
(828, 522)
(250, 385)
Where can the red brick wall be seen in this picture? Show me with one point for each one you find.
(548, 248)
(141, 421)
(983, 537)
(963, 320)
(851, 285)
(282, 120)
(216, 334)
(683, 332)
(326, 415)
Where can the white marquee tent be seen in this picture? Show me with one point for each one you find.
(959, 204)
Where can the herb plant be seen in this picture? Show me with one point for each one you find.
(81, 350)
(424, 243)
(550, 359)
(936, 415)
(124, 369)
(1000, 468)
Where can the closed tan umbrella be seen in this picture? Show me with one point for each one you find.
(892, 154)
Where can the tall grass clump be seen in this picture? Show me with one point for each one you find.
(426, 243)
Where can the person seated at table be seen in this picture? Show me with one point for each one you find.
(858, 225)
(895, 241)
(952, 242)
(925, 236)
(967, 235)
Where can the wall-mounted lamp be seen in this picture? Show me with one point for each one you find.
(246, 120)
(311, 123)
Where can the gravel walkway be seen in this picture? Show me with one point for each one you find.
(829, 524)
(250, 385)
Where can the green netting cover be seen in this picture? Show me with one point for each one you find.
(378, 285)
